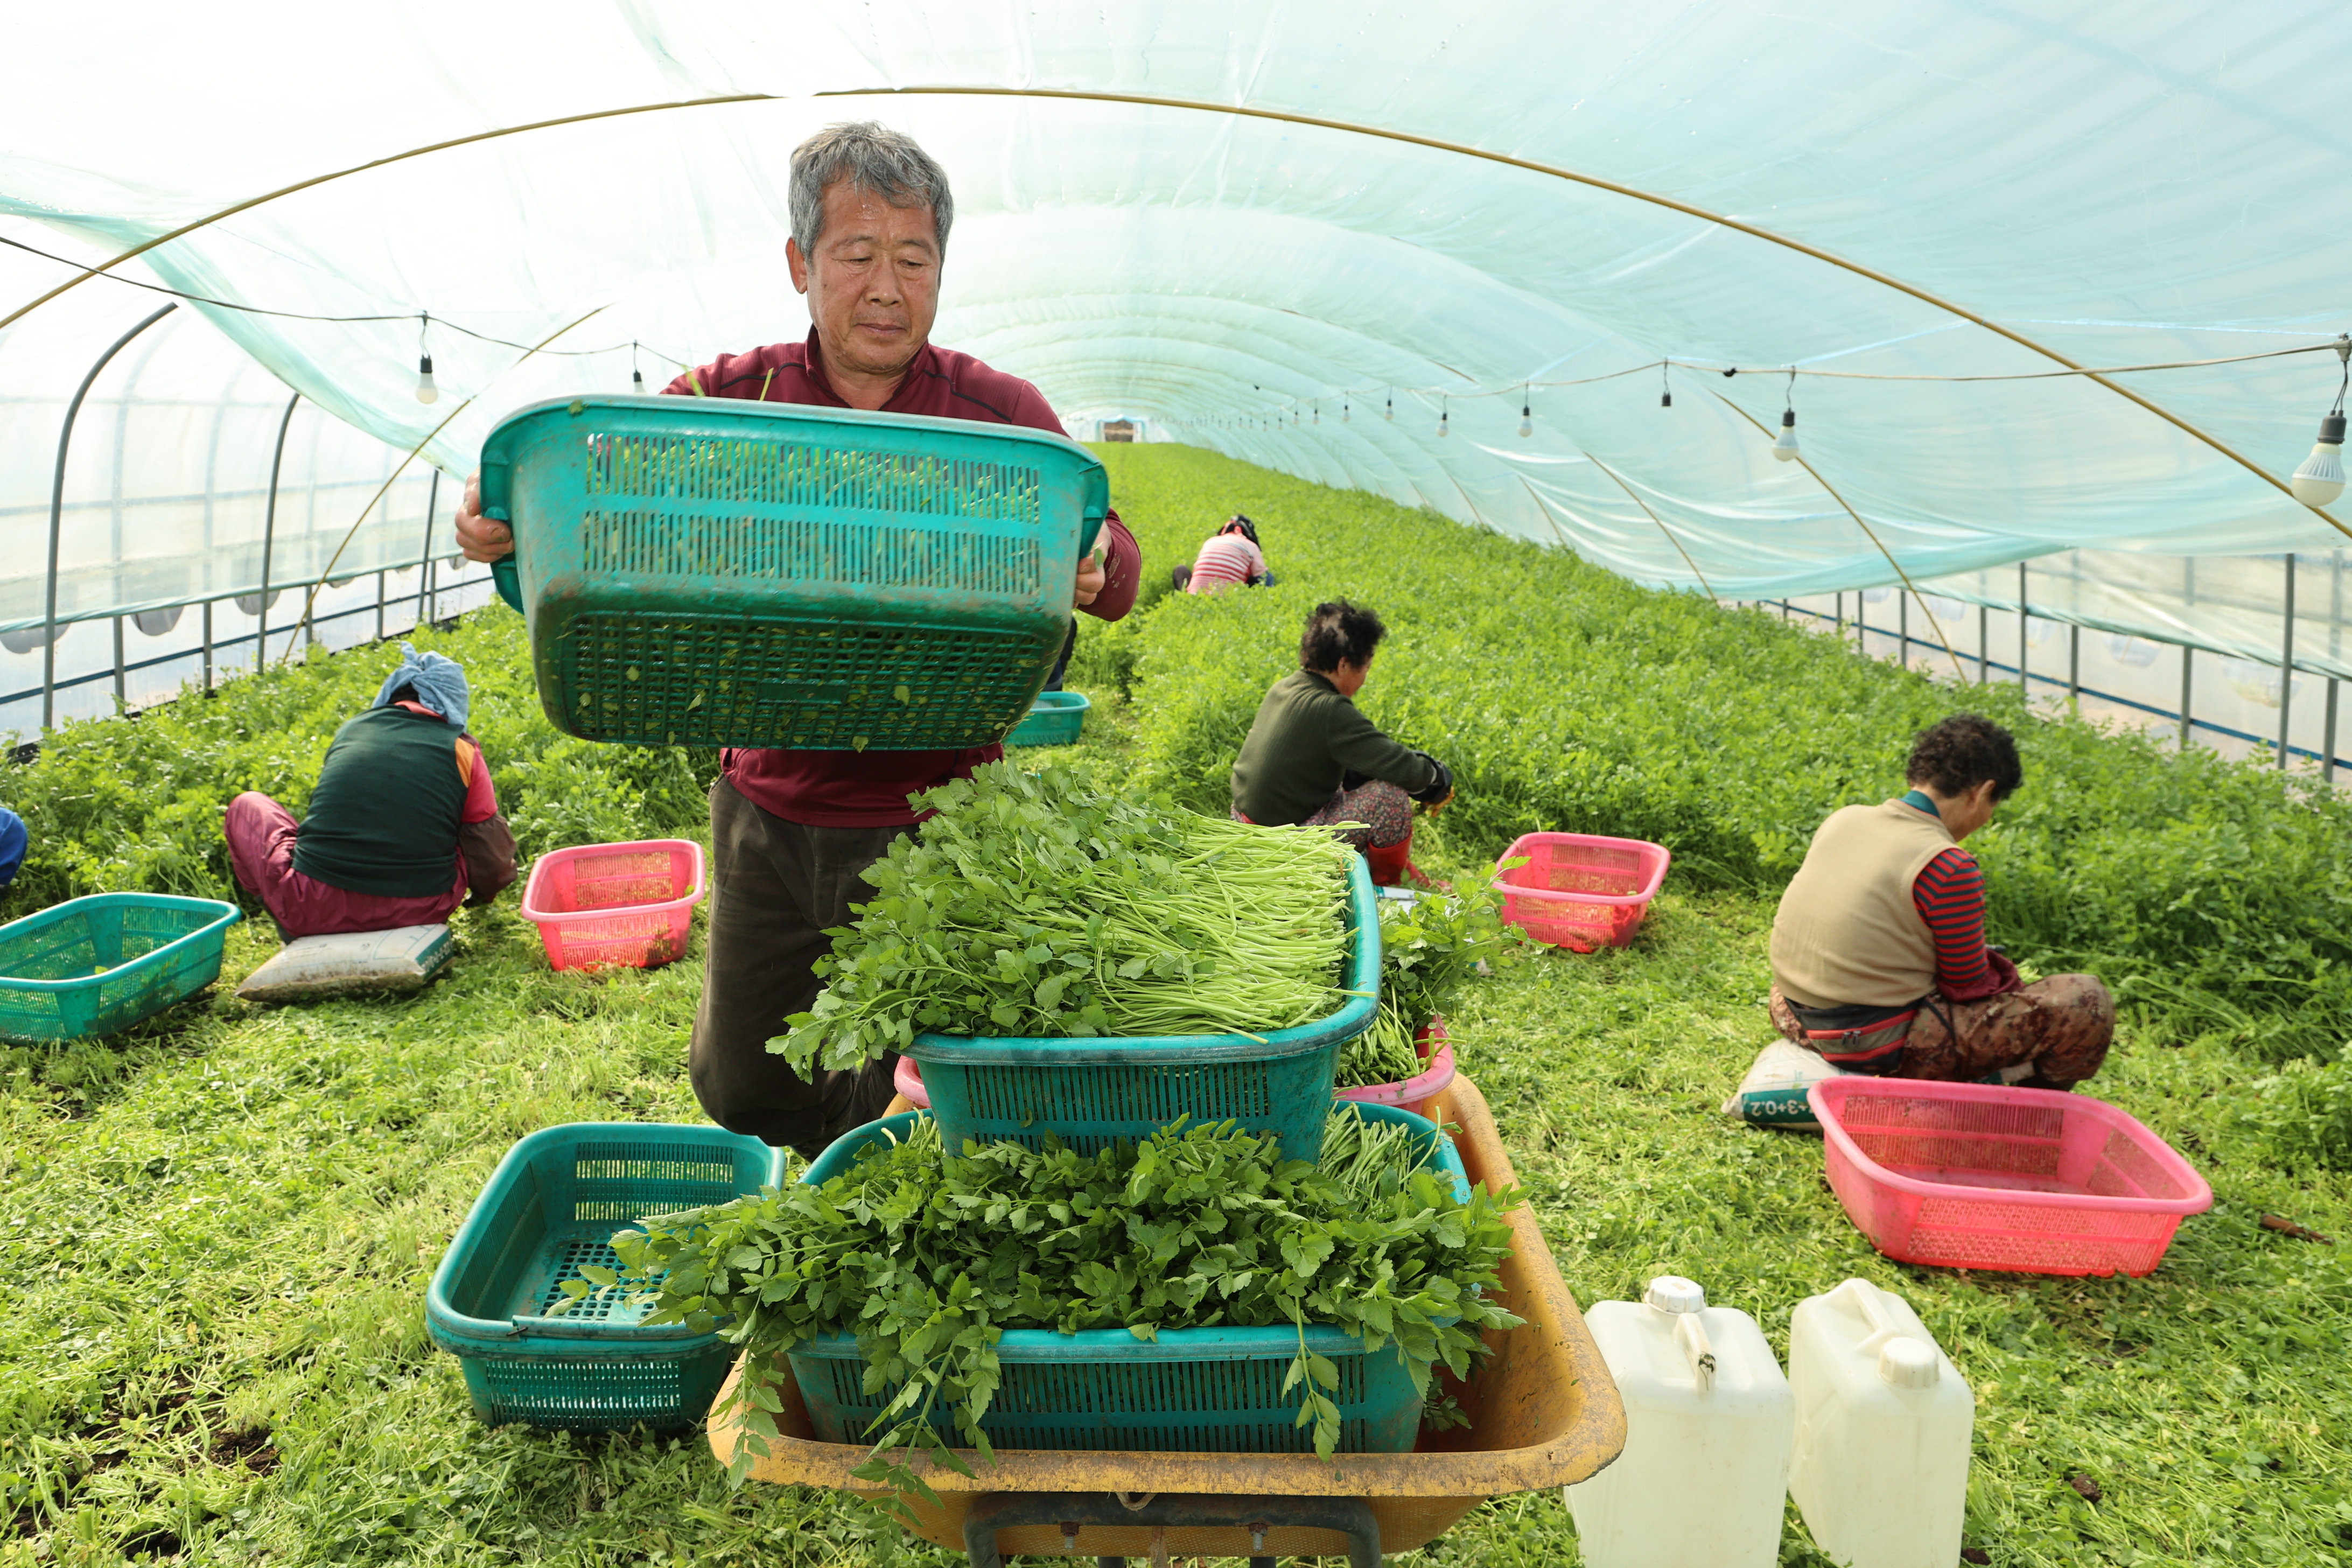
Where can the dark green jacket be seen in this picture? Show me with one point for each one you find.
(1306, 736)
(385, 815)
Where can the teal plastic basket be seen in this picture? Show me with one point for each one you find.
(97, 966)
(715, 572)
(1055, 720)
(1188, 1391)
(1092, 1092)
(552, 1207)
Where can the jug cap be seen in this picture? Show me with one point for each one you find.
(1907, 1363)
(1673, 1293)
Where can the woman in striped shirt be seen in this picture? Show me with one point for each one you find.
(1229, 559)
(1879, 960)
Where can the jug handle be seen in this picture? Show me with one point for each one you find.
(1883, 1326)
(1690, 1334)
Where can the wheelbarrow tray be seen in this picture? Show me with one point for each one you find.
(1543, 1413)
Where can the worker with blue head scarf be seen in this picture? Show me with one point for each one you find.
(402, 825)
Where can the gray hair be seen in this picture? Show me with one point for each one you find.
(872, 157)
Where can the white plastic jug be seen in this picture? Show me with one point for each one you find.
(1708, 1421)
(1881, 1472)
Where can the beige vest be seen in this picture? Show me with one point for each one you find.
(1848, 933)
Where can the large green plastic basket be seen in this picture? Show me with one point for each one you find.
(715, 572)
(552, 1207)
(1093, 1092)
(99, 964)
(1186, 1390)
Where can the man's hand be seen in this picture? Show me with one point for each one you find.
(1091, 576)
(487, 539)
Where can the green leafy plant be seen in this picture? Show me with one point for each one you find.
(926, 1256)
(1044, 905)
(1430, 947)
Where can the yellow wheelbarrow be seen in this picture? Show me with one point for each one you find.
(1543, 1413)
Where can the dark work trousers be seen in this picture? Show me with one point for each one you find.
(776, 886)
(1061, 665)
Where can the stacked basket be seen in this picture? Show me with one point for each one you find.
(1218, 1390)
(715, 572)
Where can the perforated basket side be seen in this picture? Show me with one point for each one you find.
(597, 1392)
(1090, 1107)
(1195, 1390)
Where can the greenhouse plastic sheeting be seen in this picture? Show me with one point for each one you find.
(2122, 185)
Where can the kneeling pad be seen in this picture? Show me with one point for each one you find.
(312, 967)
(1773, 1092)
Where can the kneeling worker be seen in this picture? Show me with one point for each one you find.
(1312, 758)
(402, 826)
(1879, 960)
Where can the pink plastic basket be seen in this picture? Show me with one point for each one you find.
(1580, 890)
(2028, 1180)
(600, 904)
(1415, 1094)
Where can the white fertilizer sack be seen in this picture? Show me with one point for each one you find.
(312, 967)
(1773, 1092)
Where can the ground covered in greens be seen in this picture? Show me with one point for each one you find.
(223, 1222)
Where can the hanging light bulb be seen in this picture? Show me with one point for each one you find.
(1391, 410)
(426, 391)
(2321, 478)
(1665, 386)
(1785, 448)
(1319, 416)
(1527, 420)
(1440, 419)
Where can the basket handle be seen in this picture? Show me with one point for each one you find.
(496, 483)
(1691, 1335)
(1863, 1296)
(1095, 508)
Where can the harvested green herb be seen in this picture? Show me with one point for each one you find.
(927, 1255)
(1033, 905)
(1429, 948)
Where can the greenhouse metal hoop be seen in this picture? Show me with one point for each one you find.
(1149, 101)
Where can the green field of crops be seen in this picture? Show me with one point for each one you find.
(222, 1224)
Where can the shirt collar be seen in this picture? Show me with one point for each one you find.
(813, 357)
(1919, 800)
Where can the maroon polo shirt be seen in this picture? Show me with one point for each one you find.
(869, 789)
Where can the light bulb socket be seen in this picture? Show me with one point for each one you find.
(1666, 400)
(425, 367)
(2331, 429)
(1788, 420)
(638, 379)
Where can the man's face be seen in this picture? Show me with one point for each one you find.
(873, 286)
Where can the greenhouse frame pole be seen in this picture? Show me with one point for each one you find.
(57, 511)
(208, 647)
(2188, 671)
(2286, 664)
(2074, 665)
(424, 556)
(269, 535)
(2022, 615)
(2327, 741)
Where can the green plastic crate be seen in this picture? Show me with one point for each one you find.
(1055, 719)
(715, 572)
(1187, 1391)
(551, 1206)
(97, 966)
(1092, 1092)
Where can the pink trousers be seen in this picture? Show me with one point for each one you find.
(261, 850)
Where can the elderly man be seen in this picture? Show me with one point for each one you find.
(1879, 960)
(791, 830)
